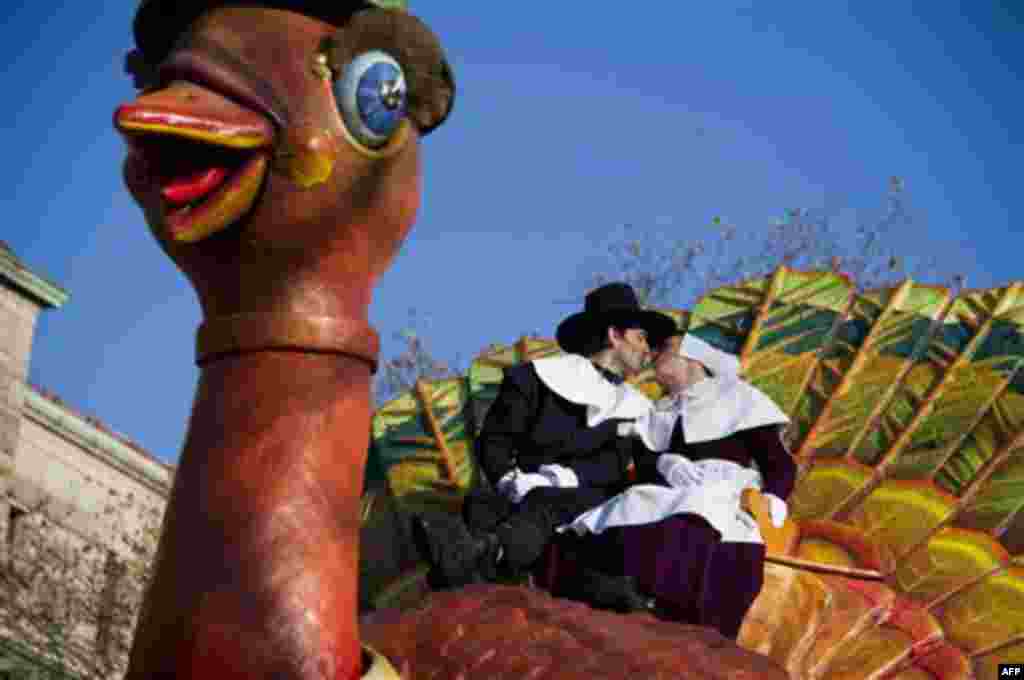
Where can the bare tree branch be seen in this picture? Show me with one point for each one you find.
(399, 373)
(669, 271)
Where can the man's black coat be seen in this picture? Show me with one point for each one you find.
(529, 425)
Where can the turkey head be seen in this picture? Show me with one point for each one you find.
(274, 148)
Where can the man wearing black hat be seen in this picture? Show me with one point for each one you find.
(539, 447)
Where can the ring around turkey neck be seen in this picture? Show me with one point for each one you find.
(282, 201)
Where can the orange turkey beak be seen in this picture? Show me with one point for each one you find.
(195, 158)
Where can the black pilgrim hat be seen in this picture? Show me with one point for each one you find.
(613, 304)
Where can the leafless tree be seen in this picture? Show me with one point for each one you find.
(670, 271)
(416, 361)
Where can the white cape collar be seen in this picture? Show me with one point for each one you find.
(576, 379)
(712, 409)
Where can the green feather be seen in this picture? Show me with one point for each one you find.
(399, 5)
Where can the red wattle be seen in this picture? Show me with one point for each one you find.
(194, 186)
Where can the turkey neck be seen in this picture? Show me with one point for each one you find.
(256, 573)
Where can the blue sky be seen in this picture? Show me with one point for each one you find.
(572, 119)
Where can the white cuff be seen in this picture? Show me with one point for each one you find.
(506, 479)
(560, 476)
(778, 508)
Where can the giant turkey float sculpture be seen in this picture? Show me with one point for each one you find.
(274, 151)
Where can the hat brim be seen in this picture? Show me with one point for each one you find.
(575, 331)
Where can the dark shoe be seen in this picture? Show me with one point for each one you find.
(666, 611)
(617, 593)
(456, 557)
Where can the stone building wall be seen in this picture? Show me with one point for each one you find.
(19, 309)
(95, 486)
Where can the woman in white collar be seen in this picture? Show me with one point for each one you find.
(687, 542)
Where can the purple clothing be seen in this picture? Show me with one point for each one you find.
(695, 577)
(681, 560)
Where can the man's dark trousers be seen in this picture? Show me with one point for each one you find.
(526, 529)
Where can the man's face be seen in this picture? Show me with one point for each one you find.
(675, 372)
(630, 348)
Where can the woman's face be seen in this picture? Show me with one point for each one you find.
(676, 372)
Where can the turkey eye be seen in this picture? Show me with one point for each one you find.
(371, 94)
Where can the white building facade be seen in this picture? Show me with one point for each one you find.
(92, 488)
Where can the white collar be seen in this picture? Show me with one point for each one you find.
(711, 409)
(576, 379)
(721, 364)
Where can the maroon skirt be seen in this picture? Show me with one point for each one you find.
(695, 577)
